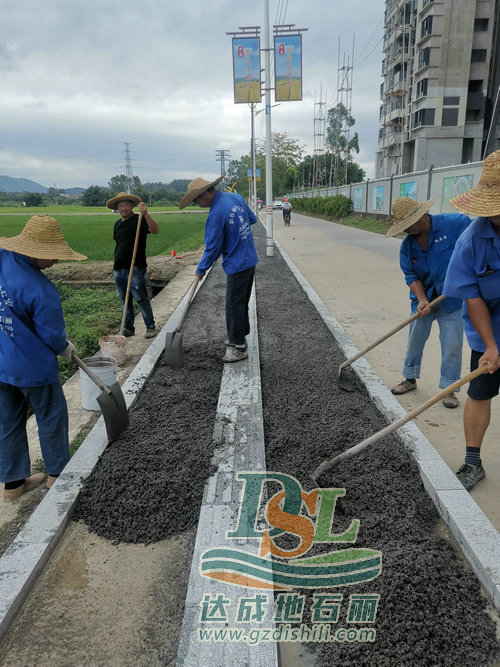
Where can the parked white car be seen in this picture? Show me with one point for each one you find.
(277, 204)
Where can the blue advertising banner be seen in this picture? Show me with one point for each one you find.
(246, 69)
(288, 68)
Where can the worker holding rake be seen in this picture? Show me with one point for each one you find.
(32, 334)
(228, 232)
(474, 275)
(424, 256)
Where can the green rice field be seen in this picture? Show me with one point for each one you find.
(92, 235)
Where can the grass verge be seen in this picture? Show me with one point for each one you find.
(89, 314)
(375, 225)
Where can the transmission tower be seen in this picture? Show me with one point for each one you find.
(128, 168)
(344, 98)
(319, 166)
(222, 156)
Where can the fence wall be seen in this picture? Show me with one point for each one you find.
(376, 196)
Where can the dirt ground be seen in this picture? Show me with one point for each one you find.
(161, 268)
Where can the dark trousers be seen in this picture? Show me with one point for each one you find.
(138, 291)
(238, 290)
(49, 405)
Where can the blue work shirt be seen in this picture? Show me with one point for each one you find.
(32, 329)
(429, 266)
(228, 231)
(474, 271)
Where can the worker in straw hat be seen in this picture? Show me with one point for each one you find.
(228, 232)
(32, 334)
(474, 275)
(124, 234)
(424, 256)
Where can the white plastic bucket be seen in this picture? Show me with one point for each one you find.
(105, 369)
(115, 347)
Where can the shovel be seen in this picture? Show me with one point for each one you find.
(342, 381)
(327, 465)
(111, 402)
(174, 350)
(132, 263)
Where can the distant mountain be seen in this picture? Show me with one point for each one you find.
(74, 191)
(9, 184)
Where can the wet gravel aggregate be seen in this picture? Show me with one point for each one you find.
(149, 484)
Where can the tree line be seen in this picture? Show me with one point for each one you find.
(292, 169)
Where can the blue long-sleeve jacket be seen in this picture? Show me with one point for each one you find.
(228, 232)
(430, 265)
(32, 331)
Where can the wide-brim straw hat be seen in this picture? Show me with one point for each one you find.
(123, 196)
(406, 212)
(197, 188)
(484, 199)
(41, 238)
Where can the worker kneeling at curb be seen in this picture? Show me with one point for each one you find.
(228, 232)
(474, 275)
(424, 257)
(32, 334)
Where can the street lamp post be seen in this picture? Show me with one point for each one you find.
(269, 173)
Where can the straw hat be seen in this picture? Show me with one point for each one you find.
(484, 199)
(122, 196)
(41, 238)
(197, 188)
(406, 212)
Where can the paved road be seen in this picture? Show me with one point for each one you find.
(357, 275)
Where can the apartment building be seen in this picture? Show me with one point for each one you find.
(441, 77)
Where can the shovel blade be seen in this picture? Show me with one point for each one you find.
(344, 381)
(114, 411)
(174, 350)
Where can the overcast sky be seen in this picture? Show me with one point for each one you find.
(80, 77)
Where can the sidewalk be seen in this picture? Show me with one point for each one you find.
(357, 275)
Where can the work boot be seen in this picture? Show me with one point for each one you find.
(450, 401)
(404, 387)
(128, 332)
(470, 475)
(29, 483)
(150, 333)
(235, 353)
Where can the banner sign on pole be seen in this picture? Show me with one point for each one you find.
(288, 68)
(257, 174)
(246, 69)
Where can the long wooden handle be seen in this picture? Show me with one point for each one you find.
(326, 465)
(389, 334)
(91, 374)
(134, 252)
(187, 304)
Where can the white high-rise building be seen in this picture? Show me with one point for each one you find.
(441, 77)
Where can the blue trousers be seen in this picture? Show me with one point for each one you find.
(451, 334)
(139, 292)
(238, 291)
(49, 406)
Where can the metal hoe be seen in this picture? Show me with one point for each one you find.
(111, 402)
(342, 382)
(174, 350)
(327, 465)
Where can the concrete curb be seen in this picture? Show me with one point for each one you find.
(239, 434)
(472, 532)
(24, 560)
